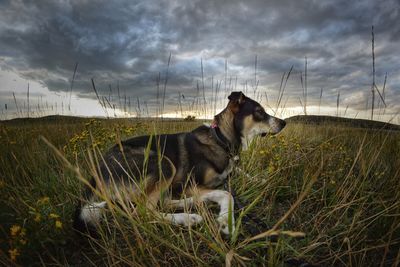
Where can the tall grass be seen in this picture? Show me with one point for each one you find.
(198, 103)
(335, 187)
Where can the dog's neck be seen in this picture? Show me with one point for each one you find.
(225, 122)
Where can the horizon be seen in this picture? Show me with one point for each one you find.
(178, 117)
(182, 59)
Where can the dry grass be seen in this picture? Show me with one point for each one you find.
(337, 185)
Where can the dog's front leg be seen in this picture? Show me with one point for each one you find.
(225, 201)
(184, 219)
(179, 203)
(223, 198)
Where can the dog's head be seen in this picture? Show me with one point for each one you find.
(251, 120)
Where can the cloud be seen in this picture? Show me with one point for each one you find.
(128, 43)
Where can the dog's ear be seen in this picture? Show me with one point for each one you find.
(236, 99)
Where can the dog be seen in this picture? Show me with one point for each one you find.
(191, 164)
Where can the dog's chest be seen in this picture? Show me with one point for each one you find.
(215, 179)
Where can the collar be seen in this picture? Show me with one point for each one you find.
(221, 139)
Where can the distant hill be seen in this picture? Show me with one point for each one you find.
(47, 119)
(359, 123)
(304, 119)
(74, 119)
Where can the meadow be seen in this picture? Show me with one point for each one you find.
(329, 192)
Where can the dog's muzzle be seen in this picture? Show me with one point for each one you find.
(276, 125)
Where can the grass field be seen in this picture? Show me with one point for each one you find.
(347, 178)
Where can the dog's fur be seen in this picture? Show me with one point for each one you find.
(191, 164)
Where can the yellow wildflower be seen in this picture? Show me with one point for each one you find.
(22, 233)
(37, 217)
(53, 216)
(13, 254)
(43, 200)
(271, 168)
(14, 230)
(23, 241)
(58, 224)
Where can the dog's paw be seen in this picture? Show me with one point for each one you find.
(187, 219)
(224, 226)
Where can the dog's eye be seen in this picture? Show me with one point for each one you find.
(258, 114)
(260, 111)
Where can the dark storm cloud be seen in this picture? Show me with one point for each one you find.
(129, 42)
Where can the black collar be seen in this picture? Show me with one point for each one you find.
(222, 141)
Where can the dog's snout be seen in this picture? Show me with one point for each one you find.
(280, 124)
(277, 125)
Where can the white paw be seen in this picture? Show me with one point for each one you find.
(224, 226)
(187, 219)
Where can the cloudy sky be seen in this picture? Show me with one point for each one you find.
(244, 46)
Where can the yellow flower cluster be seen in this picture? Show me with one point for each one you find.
(13, 254)
(99, 136)
(15, 230)
(18, 239)
(42, 212)
(43, 200)
(58, 224)
(57, 221)
(53, 216)
(275, 150)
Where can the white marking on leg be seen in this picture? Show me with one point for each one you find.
(185, 219)
(90, 213)
(180, 203)
(225, 202)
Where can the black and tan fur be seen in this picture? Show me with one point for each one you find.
(191, 164)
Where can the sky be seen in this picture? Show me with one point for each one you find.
(195, 53)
